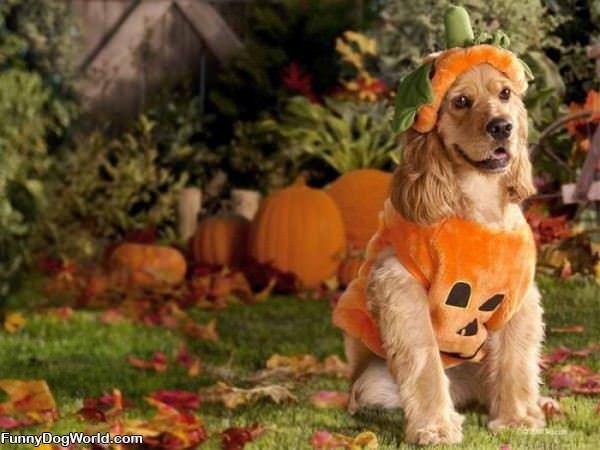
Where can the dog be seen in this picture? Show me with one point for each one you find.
(473, 165)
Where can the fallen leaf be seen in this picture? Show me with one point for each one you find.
(158, 363)
(194, 365)
(169, 429)
(107, 407)
(324, 440)
(551, 407)
(177, 399)
(26, 396)
(562, 380)
(206, 332)
(333, 365)
(233, 397)
(235, 438)
(13, 322)
(329, 399)
(569, 329)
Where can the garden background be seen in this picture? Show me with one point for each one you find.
(151, 278)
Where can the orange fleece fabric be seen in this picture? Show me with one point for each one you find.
(476, 278)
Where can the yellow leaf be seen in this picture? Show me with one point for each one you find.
(365, 440)
(364, 43)
(14, 322)
(348, 54)
(26, 396)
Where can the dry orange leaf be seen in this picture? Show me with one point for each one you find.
(569, 329)
(26, 396)
(233, 397)
(206, 332)
(13, 322)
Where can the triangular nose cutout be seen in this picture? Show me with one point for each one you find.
(470, 329)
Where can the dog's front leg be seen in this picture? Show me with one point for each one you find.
(400, 306)
(512, 369)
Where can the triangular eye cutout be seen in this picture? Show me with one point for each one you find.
(492, 303)
(459, 295)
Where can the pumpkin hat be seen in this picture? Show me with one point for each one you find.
(421, 92)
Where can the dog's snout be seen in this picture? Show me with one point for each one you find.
(499, 128)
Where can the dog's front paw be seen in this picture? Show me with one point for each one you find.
(437, 431)
(534, 419)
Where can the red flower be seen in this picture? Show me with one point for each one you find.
(296, 81)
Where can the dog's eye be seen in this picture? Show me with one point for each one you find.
(504, 94)
(462, 101)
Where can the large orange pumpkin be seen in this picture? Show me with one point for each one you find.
(221, 240)
(299, 229)
(138, 265)
(360, 195)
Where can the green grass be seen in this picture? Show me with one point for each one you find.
(82, 357)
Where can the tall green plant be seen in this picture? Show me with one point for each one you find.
(345, 134)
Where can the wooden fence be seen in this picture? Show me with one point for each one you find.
(129, 48)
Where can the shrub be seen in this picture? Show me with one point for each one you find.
(23, 163)
(104, 188)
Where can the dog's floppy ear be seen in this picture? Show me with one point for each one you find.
(519, 180)
(423, 188)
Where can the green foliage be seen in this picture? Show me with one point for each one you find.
(345, 134)
(39, 37)
(103, 188)
(259, 159)
(22, 164)
(280, 33)
(413, 29)
(180, 131)
(579, 28)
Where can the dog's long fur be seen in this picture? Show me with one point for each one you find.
(435, 180)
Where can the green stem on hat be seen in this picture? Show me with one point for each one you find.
(458, 27)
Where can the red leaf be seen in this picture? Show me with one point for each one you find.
(562, 380)
(177, 399)
(235, 438)
(158, 362)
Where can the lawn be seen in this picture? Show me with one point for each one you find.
(82, 357)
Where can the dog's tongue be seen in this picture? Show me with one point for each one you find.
(499, 154)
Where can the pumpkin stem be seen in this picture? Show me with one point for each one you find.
(300, 180)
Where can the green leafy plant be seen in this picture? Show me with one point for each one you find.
(259, 159)
(281, 34)
(104, 188)
(345, 134)
(40, 37)
(23, 163)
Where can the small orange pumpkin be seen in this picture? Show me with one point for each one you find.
(360, 195)
(221, 240)
(138, 265)
(299, 229)
(348, 269)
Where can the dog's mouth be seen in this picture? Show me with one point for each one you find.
(461, 356)
(496, 162)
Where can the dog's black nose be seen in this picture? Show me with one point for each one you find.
(499, 128)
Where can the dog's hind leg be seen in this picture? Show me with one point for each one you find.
(374, 386)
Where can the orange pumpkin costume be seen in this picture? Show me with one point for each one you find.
(476, 278)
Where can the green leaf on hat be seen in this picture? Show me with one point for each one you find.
(413, 91)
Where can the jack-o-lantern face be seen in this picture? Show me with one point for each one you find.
(473, 314)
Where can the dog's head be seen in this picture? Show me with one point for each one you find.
(482, 127)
